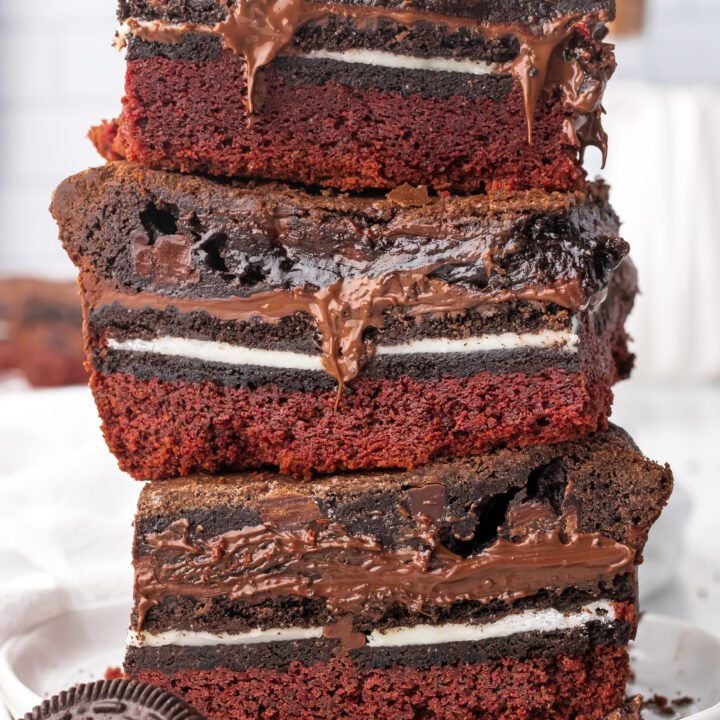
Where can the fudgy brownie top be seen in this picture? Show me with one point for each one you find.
(189, 236)
(615, 490)
(213, 11)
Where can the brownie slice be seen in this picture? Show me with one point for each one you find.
(41, 331)
(506, 580)
(453, 95)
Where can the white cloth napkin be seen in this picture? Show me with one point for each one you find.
(66, 510)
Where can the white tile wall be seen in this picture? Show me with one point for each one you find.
(58, 75)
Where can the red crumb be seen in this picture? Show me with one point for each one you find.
(105, 139)
(114, 673)
(581, 687)
(190, 116)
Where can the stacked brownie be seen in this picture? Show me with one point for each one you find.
(41, 331)
(354, 310)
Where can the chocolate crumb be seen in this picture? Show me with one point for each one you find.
(660, 705)
(406, 195)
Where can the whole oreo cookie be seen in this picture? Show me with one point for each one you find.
(114, 700)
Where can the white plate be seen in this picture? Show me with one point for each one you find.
(669, 658)
(674, 659)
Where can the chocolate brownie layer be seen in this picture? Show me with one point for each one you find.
(445, 539)
(183, 236)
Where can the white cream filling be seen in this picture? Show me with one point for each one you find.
(382, 58)
(563, 340)
(203, 639)
(550, 620)
(221, 352)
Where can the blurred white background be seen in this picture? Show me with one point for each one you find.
(60, 75)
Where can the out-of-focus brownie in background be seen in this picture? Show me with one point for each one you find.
(41, 331)
(630, 18)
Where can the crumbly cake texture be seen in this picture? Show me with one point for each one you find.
(221, 317)
(41, 331)
(221, 560)
(366, 95)
(580, 687)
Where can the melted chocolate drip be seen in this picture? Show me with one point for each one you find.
(346, 308)
(260, 29)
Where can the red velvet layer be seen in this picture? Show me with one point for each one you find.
(581, 687)
(161, 429)
(190, 116)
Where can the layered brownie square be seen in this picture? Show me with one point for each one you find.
(41, 331)
(501, 586)
(236, 325)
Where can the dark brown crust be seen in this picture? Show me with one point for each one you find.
(278, 655)
(212, 11)
(246, 238)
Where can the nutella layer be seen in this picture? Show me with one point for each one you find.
(235, 326)
(510, 557)
(467, 97)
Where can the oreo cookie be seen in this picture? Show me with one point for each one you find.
(114, 700)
